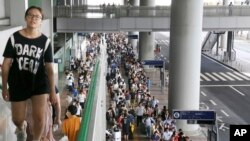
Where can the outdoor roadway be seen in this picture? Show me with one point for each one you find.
(222, 89)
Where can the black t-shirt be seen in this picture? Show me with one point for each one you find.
(56, 89)
(27, 72)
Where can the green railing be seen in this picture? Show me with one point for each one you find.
(84, 130)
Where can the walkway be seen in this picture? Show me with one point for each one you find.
(161, 95)
(122, 18)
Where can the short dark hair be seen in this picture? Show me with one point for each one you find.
(72, 109)
(34, 7)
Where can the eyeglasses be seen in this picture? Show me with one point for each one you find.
(36, 17)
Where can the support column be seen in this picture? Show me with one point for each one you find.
(247, 2)
(248, 35)
(226, 2)
(146, 46)
(223, 40)
(67, 2)
(134, 42)
(230, 42)
(76, 2)
(146, 39)
(125, 2)
(47, 6)
(224, 36)
(17, 12)
(185, 58)
(134, 2)
(84, 2)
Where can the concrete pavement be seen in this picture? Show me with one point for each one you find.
(242, 58)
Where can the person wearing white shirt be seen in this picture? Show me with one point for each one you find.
(70, 84)
(154, 102)
(139, 110)
(81, 98)
(167, 134)
(167, 121)
(148, 121)
(79, 109)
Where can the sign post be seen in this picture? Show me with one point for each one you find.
(155, 63)
(133, 36)
(200, 117)
(159, 64)
(206, 115)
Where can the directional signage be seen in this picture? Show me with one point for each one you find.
(158, 63)
(133, 36)
(194, 115)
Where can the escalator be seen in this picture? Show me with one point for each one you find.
(210, 40)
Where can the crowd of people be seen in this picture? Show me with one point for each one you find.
(28, 83)
(77, 81)
(28, 75)
(132, 104)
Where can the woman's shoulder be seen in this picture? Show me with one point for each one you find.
(44, 36)
(21, 34)
(16, 33)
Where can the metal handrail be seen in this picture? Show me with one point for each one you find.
(142, 11)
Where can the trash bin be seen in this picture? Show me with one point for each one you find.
(116, 135)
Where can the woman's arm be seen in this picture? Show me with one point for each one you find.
(5, 74)
(58, 110)
(50, 72)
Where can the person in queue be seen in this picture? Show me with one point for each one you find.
(71, 125)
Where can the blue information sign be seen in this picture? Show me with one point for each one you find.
(158, 63)
(194, 115)
(133, 36)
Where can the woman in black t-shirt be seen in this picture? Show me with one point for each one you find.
(28, 70)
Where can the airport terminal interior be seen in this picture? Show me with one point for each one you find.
(139, 70)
